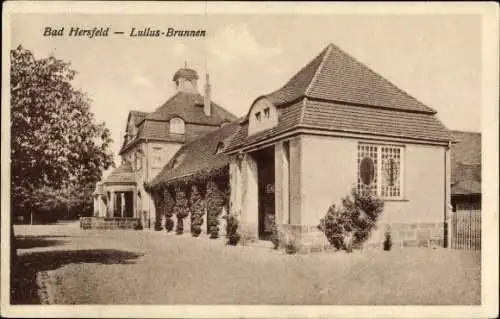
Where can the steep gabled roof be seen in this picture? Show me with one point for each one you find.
(336, 76)
(189, 107)
(466, 162)
(335, 92)
(198, 156)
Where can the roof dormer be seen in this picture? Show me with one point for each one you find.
(263, 115)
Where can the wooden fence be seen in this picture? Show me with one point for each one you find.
(466, 229)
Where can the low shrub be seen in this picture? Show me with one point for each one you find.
(195, 230)
(246, 236)
(387, 241)
(275, 236)
(291, 246)
(169, 224)
(138, 226)
(350, 226)
(179, 229)
(214, 231)
(158, 226)
(232, 230)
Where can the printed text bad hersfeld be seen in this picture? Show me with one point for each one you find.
(96, 32)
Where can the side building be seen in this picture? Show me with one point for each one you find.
(150, 141)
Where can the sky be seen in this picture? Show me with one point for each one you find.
(435, 58)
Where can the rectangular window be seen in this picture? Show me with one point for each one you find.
(157, 157)
(266, 112)
(380, 170)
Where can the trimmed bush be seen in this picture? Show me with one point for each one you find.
(215, 202)
(232, 230)
(388, 241)
(350, 226)
(179, 228)
(138, 226)
(197, 206)
(291, 245)
(169, 224)
(275, 236)
(181, 209)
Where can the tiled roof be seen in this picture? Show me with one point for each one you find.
(197, 156)
(466, 161)
(336, 76)
(138, 116)
(335, 92)
(330, 116)
(370, 120)
(288, 118)
(189, 107)
(121, 175)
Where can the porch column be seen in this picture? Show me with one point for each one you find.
(102, 206)
(122, 202)
(282, 192)
(250, 191)
(295, 198)
(111, 207)
(96, 208)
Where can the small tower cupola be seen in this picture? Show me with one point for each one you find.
(186, 80)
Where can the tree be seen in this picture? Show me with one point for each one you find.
(56, 145)
(58, 150)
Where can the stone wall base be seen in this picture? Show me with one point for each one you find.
(308, 239)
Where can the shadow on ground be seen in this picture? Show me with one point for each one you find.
(28, 242)
(23, 285)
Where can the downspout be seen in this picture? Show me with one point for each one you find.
(447, 206)
(147, 181)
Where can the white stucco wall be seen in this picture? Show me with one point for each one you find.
(329, 171)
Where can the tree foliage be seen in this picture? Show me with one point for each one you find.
(58, 150)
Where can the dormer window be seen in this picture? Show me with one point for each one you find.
(177, 126)
(219, 148)
(263, 115)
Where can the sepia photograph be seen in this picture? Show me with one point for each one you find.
(212, 159)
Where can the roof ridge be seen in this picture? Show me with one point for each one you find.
(326, 51)
(162, 105)
(303, 110)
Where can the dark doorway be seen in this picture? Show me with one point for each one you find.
(129, 204)
(265, 175)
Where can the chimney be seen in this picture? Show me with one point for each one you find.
(206, 100)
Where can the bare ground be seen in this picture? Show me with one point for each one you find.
(144, 267)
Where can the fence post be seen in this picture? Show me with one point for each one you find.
(449, 233)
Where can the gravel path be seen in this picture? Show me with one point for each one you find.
(143, 267)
